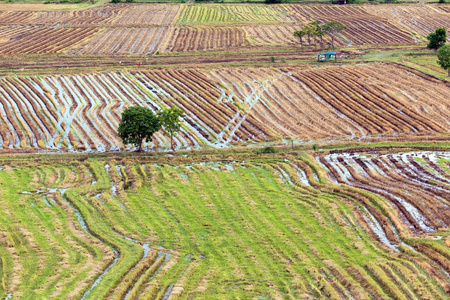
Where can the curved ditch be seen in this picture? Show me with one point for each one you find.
(86, 229)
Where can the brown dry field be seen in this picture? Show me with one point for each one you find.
(174, 28)
(225, 106)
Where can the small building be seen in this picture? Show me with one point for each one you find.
(328, 55)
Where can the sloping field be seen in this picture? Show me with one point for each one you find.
(419, 20)
(403, 179)
(263, 228)
(119, 28)
(362, 26)
(224, 106)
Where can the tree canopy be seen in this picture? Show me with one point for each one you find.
(437, 39)
(319, 29)
(332, 29)
(169, 119)
(138, 124)
(444, 57)
(300, 34)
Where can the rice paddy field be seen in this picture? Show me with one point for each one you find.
(283, 226)
(291, 179)
(174, 28)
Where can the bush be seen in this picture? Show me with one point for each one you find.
(265, 150)
(437, 39)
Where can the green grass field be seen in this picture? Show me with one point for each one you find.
(260, 227)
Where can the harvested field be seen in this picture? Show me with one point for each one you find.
(146, 228)
(420, 20)
(271, 35)
(36, 39)
(235, 26)
(127, 40)
(224, 106)
(403, 179)
(13, 17)
(362, 26)
(147, 15)
(210, 38)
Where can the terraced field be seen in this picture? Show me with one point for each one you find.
(139, 228)
(224, 106)
(165, 28)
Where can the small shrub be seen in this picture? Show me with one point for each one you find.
(315, 147)
(265, 150)
(272, 59)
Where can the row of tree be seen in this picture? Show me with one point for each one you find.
(319, 29)
(140, 123)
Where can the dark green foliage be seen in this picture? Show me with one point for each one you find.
(272, 59)
(138, 124)
(170, 121)
(269, 149)
(115, 1)
(444, 57)
(437, 39)
(272, 1)
(315, 147)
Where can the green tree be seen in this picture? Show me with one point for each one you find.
(332, 29)
(300, 34)
(318, 30)
(444, 58)
(309, 31)
(437, 39)
(138, 124)
(170, 121)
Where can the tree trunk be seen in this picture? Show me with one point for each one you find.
(171, 143)
(140, 146)
(332, 41)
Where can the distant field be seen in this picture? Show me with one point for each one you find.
(168, 28)
(141, 228)
(224, 107)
